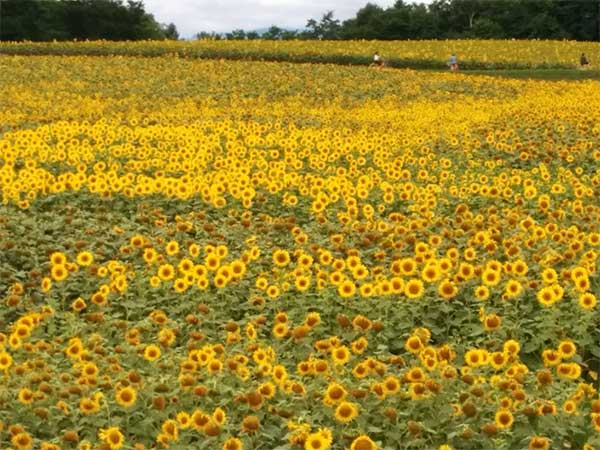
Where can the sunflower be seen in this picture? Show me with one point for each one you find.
(46, 284)
(22, 441)
(492, 322)
(320, 366)
(312, 319)
(273, 291)
(334, 393)
(172, 248)
(316, 441)
(490, 277)
(180, 285)
(212, 262)
(431, 272)
(539, 443)
(302, 283)
(219, 416)
(233, 444)
(90, 370)
(59, 272)
(391, 385)
(170, 428)
(415, 374)
(185, 266)
(363, 442)
(113, 437)
(482, 292)
(473, 358)
(78, 304)
(414, 288)
(346, 289)
(512, 347)
(498, 360)
(250, 424)
(5, 360)
(151, 352)
(570, 371)
(200, 420)
(549, 276)
(238, 269)
(366, 290)
(280, 330)
(340, 355)
(166, 272)
(513, 288)
(570, 406)
(567, 349)
(503, 419)
(184, 420)
(447, 289)
(596, 421)
(25, 396)
(89, 406)
(214, 366)
(85, 259)
(407, 266)
(267, 390)
(346, 412)
(359, 346)
(281, 258)
(49, 446)
(150, 255)
(57, 258)
(126, 396)
(550, 357)
(418, 391)
(587, 301)
(546, 296)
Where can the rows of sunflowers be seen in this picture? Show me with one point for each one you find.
(253, 255)
(472, 54)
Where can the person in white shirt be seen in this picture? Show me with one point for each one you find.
(377, 61)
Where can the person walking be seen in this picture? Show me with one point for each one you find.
(453, 63)
(377, 61)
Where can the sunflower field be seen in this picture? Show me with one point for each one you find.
(230, 255)
(422, 54)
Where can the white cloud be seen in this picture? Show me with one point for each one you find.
(192, 16)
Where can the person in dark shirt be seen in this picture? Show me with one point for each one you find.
(583, 61)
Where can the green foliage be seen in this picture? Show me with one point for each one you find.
(456, 19)
(37, 20)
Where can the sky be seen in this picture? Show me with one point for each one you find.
(192, 16)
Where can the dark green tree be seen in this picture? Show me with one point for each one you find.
(327, 28)
(273, 33)
(368, 24)
(44, 20)
(236, 35)
(170, 32)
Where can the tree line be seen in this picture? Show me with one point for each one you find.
(48, 20)
(450, 19)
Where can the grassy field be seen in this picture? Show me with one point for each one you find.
(542, 74)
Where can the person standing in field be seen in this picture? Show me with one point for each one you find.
(453, 63)
(583, 61)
